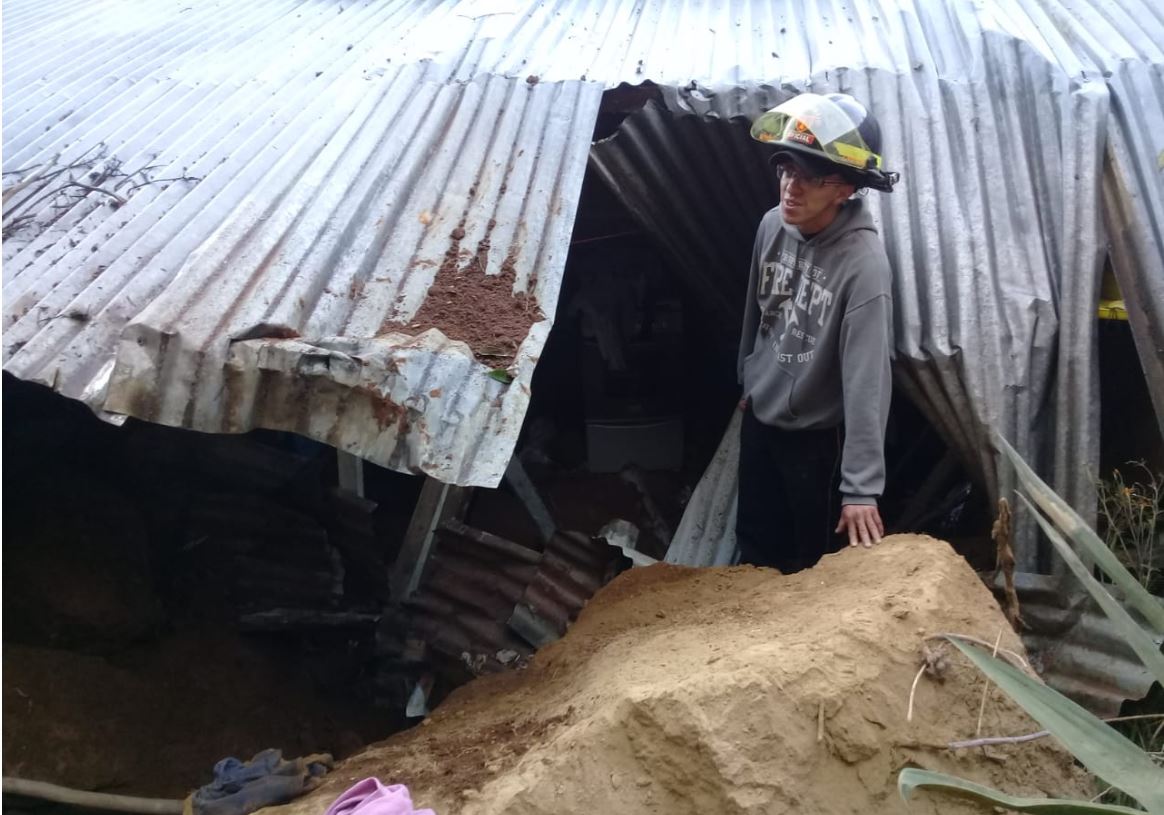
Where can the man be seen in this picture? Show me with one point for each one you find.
(814, 353)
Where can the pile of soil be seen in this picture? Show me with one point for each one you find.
(731, 690)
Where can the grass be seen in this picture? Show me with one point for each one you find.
(1130, 520)
(1148, 735)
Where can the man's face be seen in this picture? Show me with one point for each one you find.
(810, 202)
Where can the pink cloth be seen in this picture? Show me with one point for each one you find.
(370, 797)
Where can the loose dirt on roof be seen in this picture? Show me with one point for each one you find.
(731, 690)
(480, 309)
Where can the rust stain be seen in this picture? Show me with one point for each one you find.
(385, 411)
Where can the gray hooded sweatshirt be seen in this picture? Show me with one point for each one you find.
(817, 336)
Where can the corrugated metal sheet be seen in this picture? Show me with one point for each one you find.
(1075, 647)
(482, 595)
(322, 198)
(297, 117)
(707, 532)
(991, 289)
(701, 185)
(1125, 40)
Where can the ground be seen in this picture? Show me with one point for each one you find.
(152, 720)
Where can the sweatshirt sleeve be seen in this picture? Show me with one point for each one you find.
(751, 309)
(867, 386)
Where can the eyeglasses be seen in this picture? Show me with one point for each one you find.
(788, 170)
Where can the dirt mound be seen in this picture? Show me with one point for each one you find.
(730, 690)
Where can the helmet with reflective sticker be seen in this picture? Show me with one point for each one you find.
(828, 130)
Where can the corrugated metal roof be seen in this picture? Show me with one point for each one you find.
(482, 594)
(707, 532)
(996, 112)
(1125, 39)
(322, 198)
(991, 277)
(1075, 647)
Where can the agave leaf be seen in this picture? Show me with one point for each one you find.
(1098, 746)
(1136, 637)
(911, 779)
(1089, 543)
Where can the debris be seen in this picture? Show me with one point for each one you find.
(418, 699)
(620, 533)
(659, 526)
(481, 310)
(934, 663)
(474, 662)
(810, 660)
(531, 627)
(624, 536)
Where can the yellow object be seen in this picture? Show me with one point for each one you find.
(1111, 301)
(1112, 310)
(817, 121)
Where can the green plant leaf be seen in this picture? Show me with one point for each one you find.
(501, 375)
(1136, 637)
(1090, 545)
(911, 779)
(1099, 747)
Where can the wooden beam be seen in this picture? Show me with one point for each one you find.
(517, 477)
(351, 472)
(437, 503)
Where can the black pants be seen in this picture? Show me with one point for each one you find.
(789, 503)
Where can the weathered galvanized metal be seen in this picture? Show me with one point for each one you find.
(321, 187)
(293, 123)
(707, 532)
(1075, 647)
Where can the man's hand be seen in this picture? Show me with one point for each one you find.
(863, 523)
